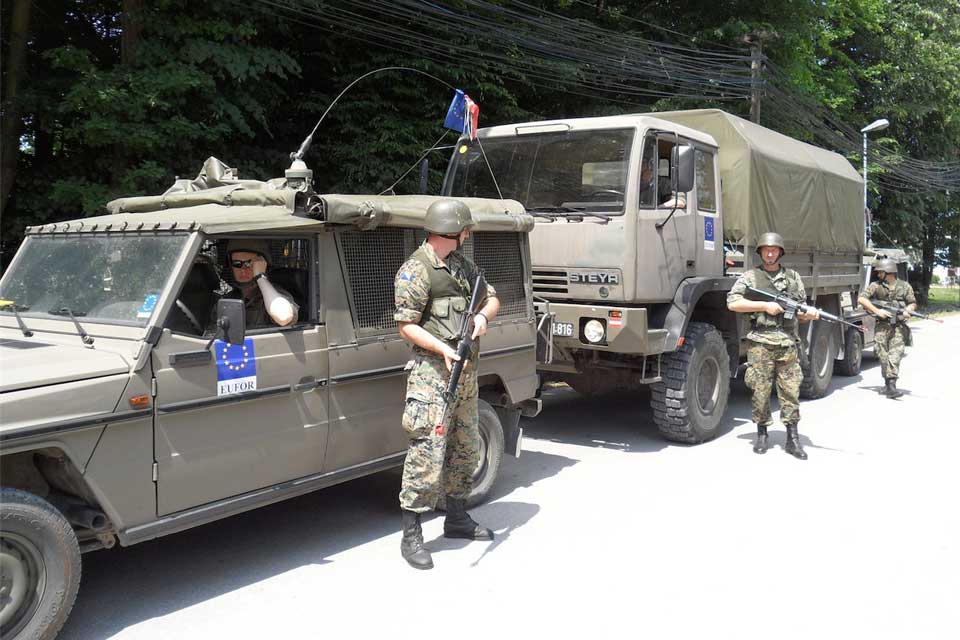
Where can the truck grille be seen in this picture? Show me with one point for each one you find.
(547, 281)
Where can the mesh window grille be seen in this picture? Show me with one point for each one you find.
(372, 259)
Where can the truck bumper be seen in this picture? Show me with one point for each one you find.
(625, 329)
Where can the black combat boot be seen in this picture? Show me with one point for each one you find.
(411, 547)
(793, 443)
(892, 392)
(459, 524)
(760, 445)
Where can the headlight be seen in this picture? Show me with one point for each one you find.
(593, 331)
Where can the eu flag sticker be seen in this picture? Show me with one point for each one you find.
(708, 239)
(236, 367)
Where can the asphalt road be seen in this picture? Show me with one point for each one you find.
(603, 530)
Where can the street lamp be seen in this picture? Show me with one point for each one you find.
(876, 125)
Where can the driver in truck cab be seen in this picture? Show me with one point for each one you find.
(665, 196)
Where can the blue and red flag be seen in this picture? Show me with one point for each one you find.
(463, 115)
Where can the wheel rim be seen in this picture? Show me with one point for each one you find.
(857, 353)
(708, 386)
(22, 582)
(820, 356)
(481, 469)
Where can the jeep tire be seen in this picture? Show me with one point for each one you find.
(689, 402)
(491, 454)
(39, 567)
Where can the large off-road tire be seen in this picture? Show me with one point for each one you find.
(491, 454)
(852, 354)
(822, 353)
(39, 567)
(689, 403)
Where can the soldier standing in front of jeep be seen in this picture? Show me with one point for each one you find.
(891, 333)
(432, 291)
(772, 356)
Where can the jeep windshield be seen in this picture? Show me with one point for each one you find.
(558, 174)
(114, 279)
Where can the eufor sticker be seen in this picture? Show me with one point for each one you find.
(146, 309)
(236, 367)
(708, 237)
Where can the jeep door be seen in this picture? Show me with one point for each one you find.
(248, 416)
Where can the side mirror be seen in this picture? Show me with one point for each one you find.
(231, 321)
(683, 169)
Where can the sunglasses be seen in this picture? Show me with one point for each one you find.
(242, 264)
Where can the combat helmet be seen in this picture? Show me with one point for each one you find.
(261, 247)
(887, 265)
(448, 218)
(771, 239)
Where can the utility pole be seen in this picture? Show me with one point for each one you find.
(756, 39)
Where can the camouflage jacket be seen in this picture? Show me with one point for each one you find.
(765, 328)
(899, 293)
(412, 295)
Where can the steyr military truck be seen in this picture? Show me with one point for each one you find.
(135, 402)
(644, 223)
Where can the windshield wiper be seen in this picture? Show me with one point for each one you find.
(65, 311)
(568, 213)
(13, 306)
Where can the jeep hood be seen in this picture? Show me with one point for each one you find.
(34, 362)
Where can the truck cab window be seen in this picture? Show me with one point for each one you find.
(706, 182)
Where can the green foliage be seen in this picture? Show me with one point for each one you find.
(246, 82)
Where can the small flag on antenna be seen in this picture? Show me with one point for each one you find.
(463, 115)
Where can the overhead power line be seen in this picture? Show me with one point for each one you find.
(553, 52)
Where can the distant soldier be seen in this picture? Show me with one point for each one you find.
(432, 291)
(772, 356)
(890, 337)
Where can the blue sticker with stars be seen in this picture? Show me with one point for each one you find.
(708, 238)
(146, 309)
(236, 367)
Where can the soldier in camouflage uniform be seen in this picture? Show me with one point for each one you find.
(890, 338)
(432, 291)
(773, 343)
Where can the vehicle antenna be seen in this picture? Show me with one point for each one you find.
(305, 145)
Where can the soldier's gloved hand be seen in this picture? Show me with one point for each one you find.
(449, 356)
(479, 326)
(773, 308)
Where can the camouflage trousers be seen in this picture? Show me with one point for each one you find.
(769, 364)
(889, 343)
(435, 461)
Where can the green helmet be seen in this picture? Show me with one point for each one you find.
(771, 239)
(250, 246)
(887, 265)
(448, 218)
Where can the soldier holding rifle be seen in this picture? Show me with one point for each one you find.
(433, 294)
(893, 302)
(773, 352)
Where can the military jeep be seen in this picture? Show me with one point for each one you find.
(135, 400)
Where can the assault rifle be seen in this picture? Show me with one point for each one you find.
(896, 310)
(464, 348)
(791, 307)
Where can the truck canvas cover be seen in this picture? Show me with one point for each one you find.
(810, 196)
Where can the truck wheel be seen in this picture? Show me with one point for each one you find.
(823, 351)
(491, 454)
(689, 403)
(39, 567)
(852, 354)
